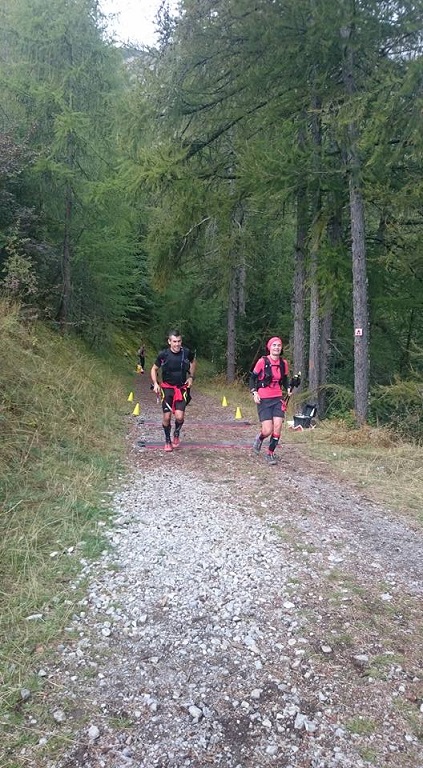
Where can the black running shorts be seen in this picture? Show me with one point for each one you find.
(270, 408)
(167, 400)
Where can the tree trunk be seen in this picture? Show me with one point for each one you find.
(299, 285)
(242, 280)
(238, 221)
(237, 281)
(335, 239)
(325, 351)
(314, 329)
(314, 345)
(361, 344)
(66, 263)
(231, 327)
(358, 246)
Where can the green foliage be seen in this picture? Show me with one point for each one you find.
(20, 280)
(63, 83)
(179, 173)
(340, 404)
(400, 406)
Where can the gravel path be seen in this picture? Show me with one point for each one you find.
(243, 616)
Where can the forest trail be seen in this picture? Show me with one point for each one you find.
(245, 615)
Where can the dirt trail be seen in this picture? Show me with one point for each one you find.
(246, 615)
(218, 446)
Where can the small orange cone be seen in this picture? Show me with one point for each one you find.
(130, 397)
(238, 414)
(224, 401)
(136, 411)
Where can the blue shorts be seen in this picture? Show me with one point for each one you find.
(270, 408)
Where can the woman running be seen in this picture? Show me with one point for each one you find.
(267, 380)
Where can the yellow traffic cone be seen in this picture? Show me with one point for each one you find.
(136, 411)
(224, 402)
(138, 369)
(130, 397)
(238, 414)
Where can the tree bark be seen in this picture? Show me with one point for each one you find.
(314, 324)
(231, 326)
(237, 282)
(360, 311)
(325, 352)
(335, 239)
(66, 263)
(298, 309)
(314, 340)
(358, 246)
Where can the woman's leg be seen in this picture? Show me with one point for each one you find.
(266, 428)
(275, 432)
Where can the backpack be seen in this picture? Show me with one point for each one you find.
(266, 379)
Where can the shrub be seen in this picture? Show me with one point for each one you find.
(400, 407)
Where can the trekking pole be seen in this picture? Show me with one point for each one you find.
(293, 384)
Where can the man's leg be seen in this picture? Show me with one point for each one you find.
(167, 415)
(179, 420)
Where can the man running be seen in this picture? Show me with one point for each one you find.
(177, 364)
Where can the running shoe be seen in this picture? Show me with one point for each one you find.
(257, 444)
(168, 447)
(271, 458)
(176, 441)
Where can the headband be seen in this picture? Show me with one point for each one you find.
(272, 341)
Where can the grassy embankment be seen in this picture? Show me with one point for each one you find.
(62, 446)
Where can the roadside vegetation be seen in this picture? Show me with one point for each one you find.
(62, 448)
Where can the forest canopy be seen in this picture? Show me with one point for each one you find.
(258, 172)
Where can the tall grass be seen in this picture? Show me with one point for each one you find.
(375, 459)
(62, 441)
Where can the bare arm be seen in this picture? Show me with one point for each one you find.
(191, 372)
(153, 373)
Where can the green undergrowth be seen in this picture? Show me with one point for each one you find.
(62, 445)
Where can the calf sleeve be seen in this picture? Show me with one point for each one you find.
(166, 429)
(273, 442)
(178, 425)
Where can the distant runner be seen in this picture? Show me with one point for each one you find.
(141, 357)
(267, 380)
(177, 366)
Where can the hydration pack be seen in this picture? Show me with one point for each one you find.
(265, 378)
(185, 363)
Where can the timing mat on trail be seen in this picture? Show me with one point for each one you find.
(211, 424)
(189, 445)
